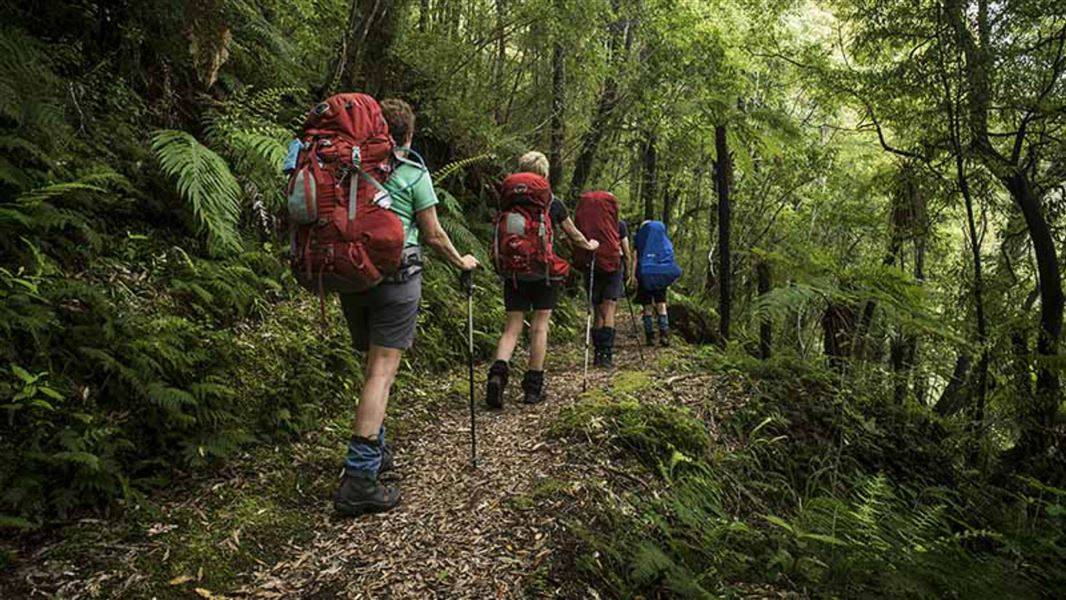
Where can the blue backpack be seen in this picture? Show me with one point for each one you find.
(657, 267)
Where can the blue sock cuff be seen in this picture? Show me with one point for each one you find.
(364, 457)
(664, 322)
(647, 324)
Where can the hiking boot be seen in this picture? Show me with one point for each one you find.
(649, 339)
(533, 386)
(664, 339)
(496, 384)
(359, 496)
(607, 360)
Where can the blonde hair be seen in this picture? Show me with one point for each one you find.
(533, 162)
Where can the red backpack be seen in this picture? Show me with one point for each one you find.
(522, 249)
(597, 217)
(344, 237)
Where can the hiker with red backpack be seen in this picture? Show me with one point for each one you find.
(359, 208)
(532, 274)
(596, 216)
(656, 270)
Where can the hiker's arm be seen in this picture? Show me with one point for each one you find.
(576, 237)
(435, 237)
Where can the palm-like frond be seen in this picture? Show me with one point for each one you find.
(205, 182)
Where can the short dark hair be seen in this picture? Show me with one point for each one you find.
(400, 117)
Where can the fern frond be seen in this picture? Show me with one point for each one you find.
(463, 238)
(205, 182)
(458, 165)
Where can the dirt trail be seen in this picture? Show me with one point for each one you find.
(460, 532)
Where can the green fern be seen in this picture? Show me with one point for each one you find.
(458, 165)
(204, 180)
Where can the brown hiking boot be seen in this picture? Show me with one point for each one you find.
(496, 384)
(358, 496)
(533, 386)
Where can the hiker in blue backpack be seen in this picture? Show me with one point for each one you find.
(656, 269)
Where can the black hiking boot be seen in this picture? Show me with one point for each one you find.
(533, 386)
(649, 339)
(359, 496)
(496, 384)
(607, 361)
(597, 344)
(664, 339)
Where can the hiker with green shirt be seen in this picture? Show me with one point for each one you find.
(382, 319)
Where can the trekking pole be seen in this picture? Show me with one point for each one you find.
(588, 324)
(467, 279)
(633, 320)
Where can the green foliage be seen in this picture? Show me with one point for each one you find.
(815, 505)
(204, 180)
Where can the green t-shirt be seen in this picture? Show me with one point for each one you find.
(408, 199)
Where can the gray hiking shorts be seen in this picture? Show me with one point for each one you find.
(385, 315)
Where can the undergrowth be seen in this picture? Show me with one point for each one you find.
(809, 486)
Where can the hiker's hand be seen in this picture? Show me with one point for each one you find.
(468, 263)
(593, 245)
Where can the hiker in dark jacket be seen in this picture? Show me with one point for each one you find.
(520, 297)
(382, 321)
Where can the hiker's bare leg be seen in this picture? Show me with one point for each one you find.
(607, 310)
(538, 339)
(381, 366)
(512, 328)
(647, 310)
(661, 308)
(600, 318)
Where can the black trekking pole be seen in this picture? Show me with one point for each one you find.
(588, 324)
(633, 320)
(467, 279)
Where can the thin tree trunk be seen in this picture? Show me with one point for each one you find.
(723, 174)
(558, 123)
(590, 142)
(498, 70)
(423, 16)
(650, 176)
(669, 197)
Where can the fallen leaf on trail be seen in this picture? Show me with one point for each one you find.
(180, 579)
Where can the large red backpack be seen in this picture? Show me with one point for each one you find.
(596, 216)
(522, 250)
(344, 237)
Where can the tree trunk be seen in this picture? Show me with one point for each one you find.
(952, 399)
(669, 197)
(1038, 417)
(1036, 432)
(765, 277)
(723, 177)
(838, 326)
(590, 142)
(423, 16)
(558, 123)
(650, 184)
(501, 60)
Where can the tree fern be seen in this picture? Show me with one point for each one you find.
(204, 180)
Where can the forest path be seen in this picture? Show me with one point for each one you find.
(460, 532)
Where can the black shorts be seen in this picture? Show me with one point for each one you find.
(529, 295)
(648, 297)
(385, 315)
(606, 287)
